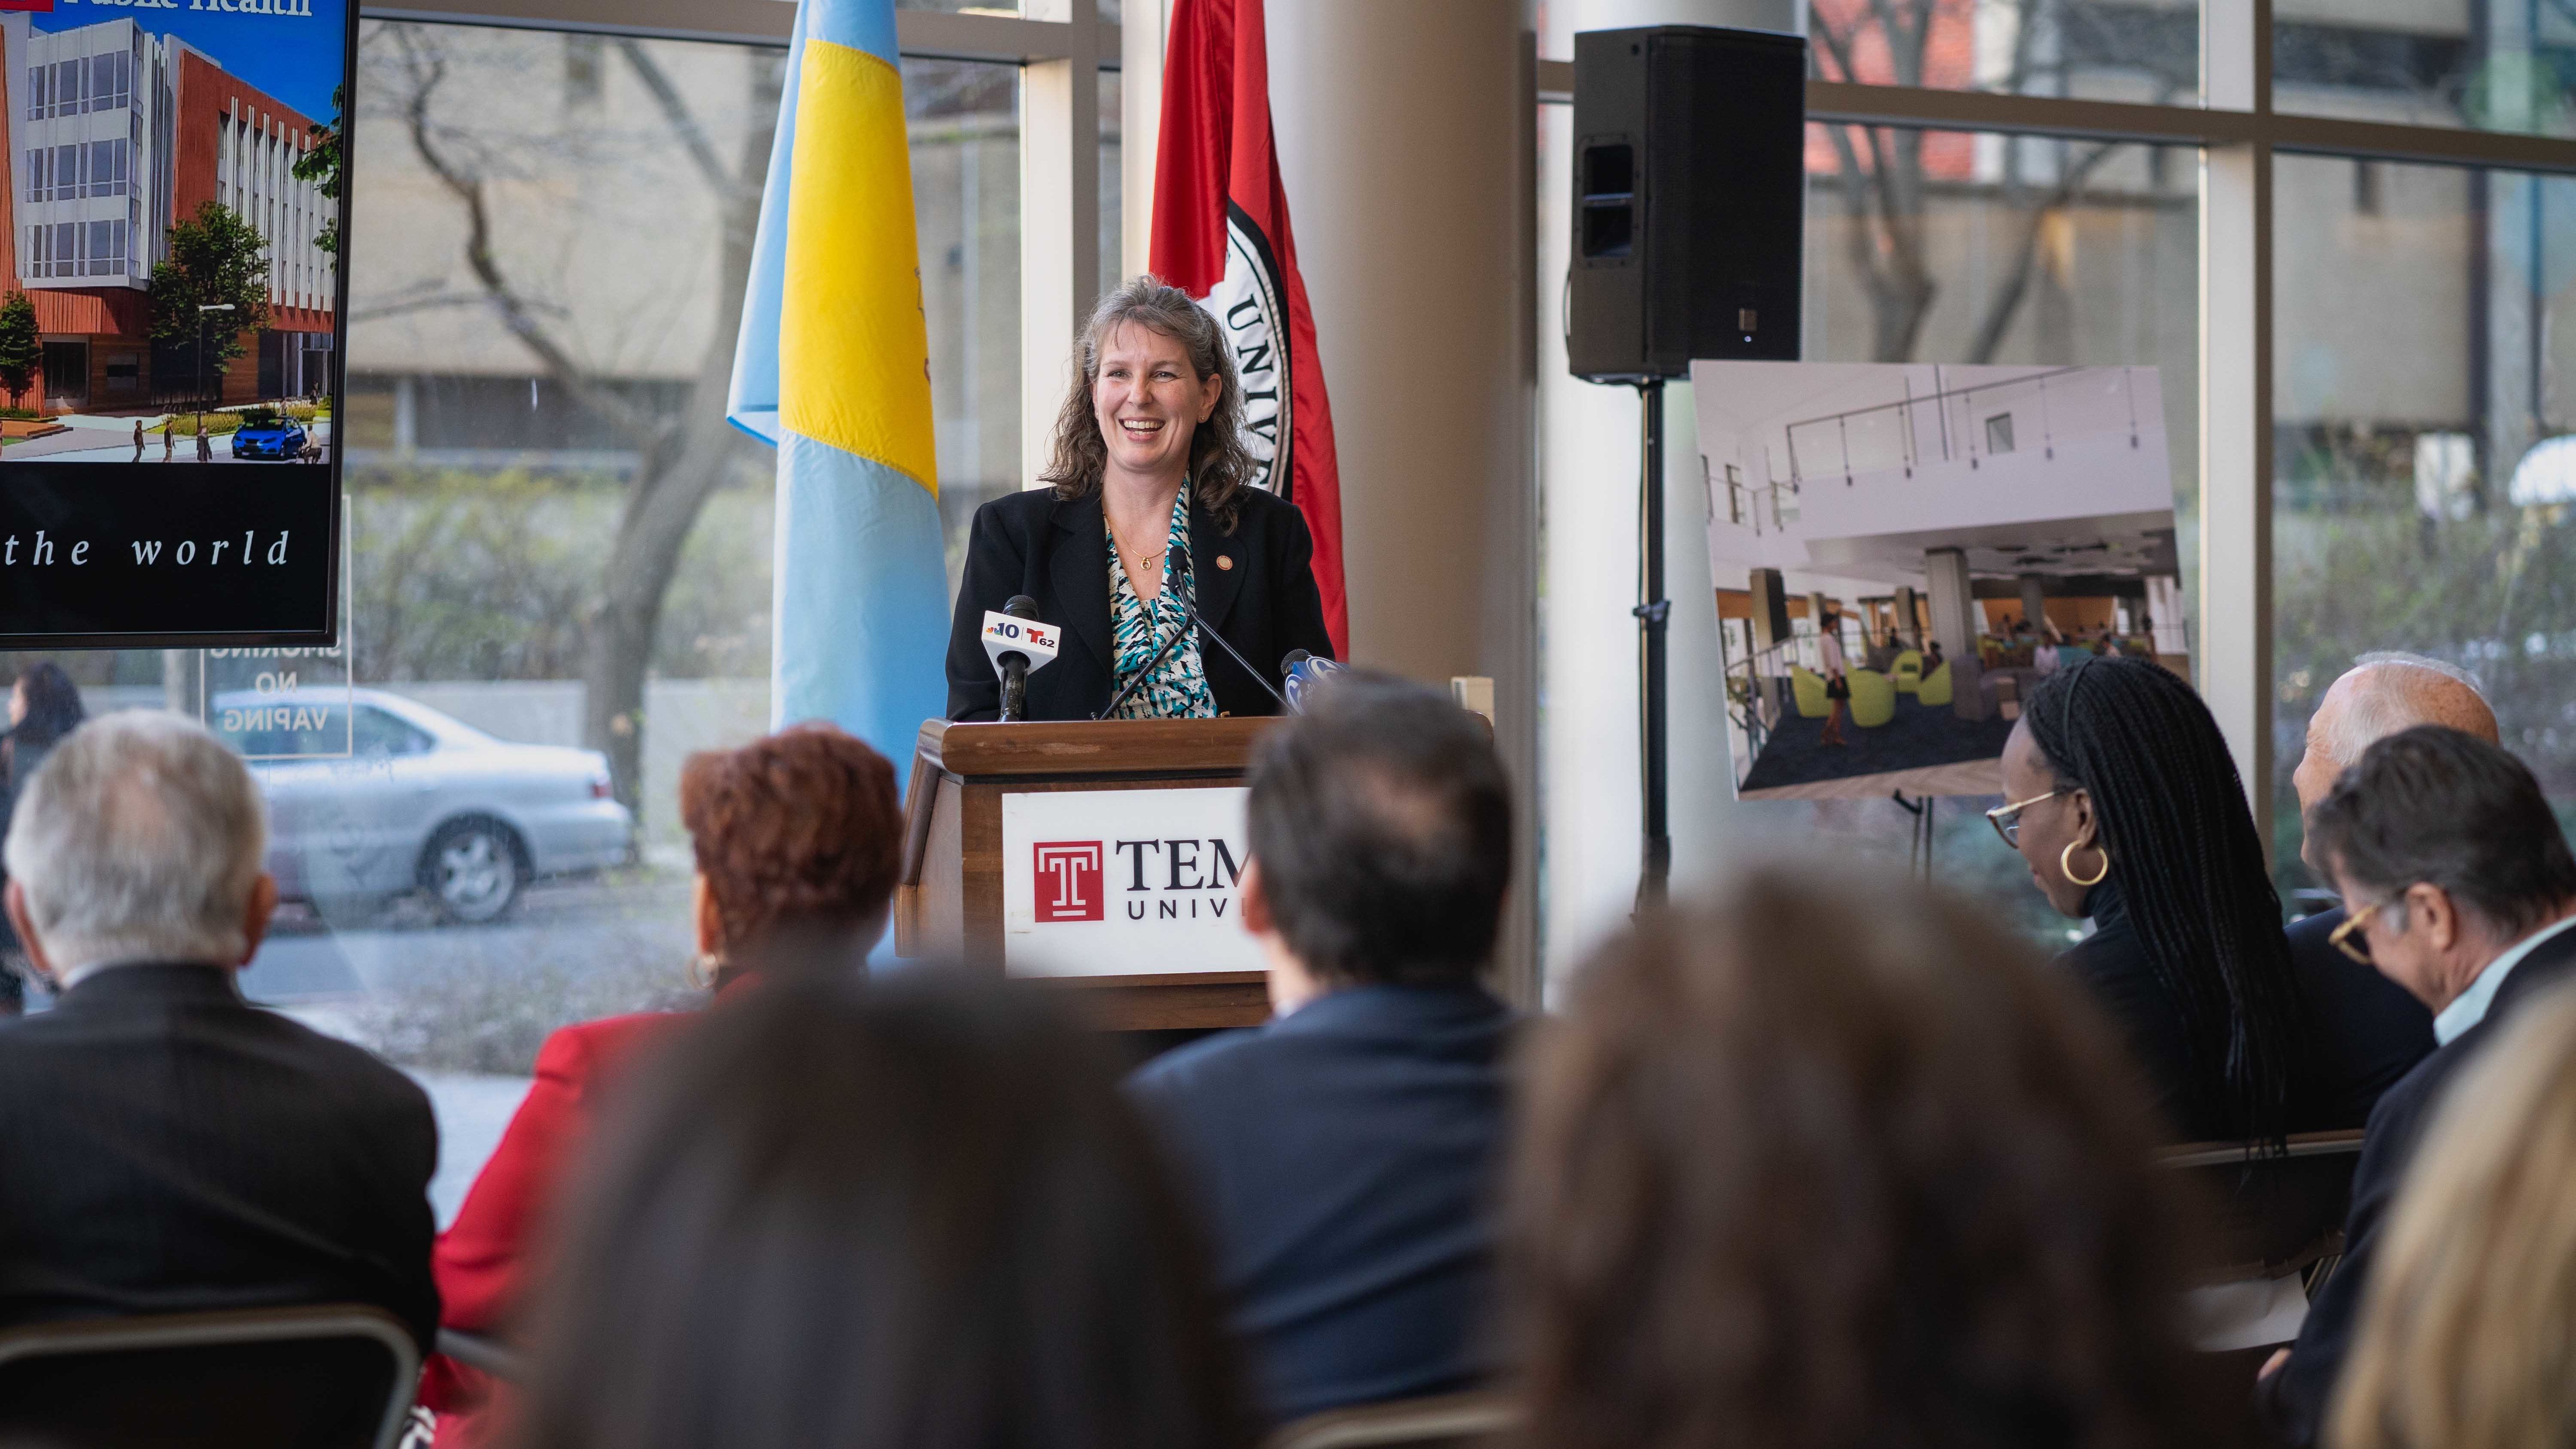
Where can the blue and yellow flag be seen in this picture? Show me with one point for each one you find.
(834, 370)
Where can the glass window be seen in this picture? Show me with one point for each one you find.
(107, 164)
(2483, 65)
(1113, 185)
(966, 206)
(488, 481)
(2126, 50)
(375, 732)
(1922, 246)
(2422, 483)
(1995, 249)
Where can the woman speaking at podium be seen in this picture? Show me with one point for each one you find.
(1154, 515)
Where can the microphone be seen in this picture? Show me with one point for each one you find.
(1183, 584)
(1188, 602)
(1016, 643)
(1305, 673)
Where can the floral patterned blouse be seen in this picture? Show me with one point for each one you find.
(1178, 687)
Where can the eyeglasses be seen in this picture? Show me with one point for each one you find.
(2006, 819)
(2347, 937)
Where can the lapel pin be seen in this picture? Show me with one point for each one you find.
(1225, 561)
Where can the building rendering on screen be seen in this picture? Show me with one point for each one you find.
(114, 134)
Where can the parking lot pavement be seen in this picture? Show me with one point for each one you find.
(558, 929)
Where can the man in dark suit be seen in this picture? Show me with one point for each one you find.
(164, 1146)
(2463, 891)
(2374, 1031)
(1343, 1153)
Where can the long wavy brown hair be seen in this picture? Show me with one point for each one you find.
(1826, 1168)
(1220, 466)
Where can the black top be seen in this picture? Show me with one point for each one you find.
(2114, 966)
(2368, 1031)
(169, 1148)
(1256, 586)
(1343, 1158)
(2294, 1400)
(2363, 1031)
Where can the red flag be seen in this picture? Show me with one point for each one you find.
(1221, 234)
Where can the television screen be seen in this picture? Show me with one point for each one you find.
(170, 325)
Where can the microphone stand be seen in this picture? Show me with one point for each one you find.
(1190, 580)
(1143, 674)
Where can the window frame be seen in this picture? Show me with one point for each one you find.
(1062, 45)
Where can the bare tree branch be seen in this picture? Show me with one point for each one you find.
(427, 70)
(675, 108)
(1999, 314)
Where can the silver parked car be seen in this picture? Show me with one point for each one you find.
(372, 796)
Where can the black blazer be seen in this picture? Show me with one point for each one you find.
(2363, 1031)
(2294, 1400)
(2368, 1032)
(1343, 1159)
(167, 1148)
(1256, 586)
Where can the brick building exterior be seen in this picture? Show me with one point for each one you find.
(114, 135)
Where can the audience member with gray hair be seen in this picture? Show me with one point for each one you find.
(2463, 891)
(169, 1147)
(2374, 1030)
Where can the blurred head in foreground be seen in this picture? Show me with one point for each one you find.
(1381, 829)
(2464, 1330)
(1796, 1174)
(913, 1214)
(798, 836)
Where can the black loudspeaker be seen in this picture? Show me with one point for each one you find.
(1689, 199)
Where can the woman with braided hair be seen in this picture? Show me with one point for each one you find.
(2128, 809)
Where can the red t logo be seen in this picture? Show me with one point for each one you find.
(1068, 881)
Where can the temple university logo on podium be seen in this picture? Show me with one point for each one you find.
(1068, 880)
(1125, 882)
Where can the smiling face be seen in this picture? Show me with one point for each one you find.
(2049, 827)
(1149, 402)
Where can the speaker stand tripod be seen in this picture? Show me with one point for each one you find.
(1654, 614)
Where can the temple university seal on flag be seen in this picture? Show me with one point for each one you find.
(1251, 309)
(1221, 234)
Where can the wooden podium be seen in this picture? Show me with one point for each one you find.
(950, 899)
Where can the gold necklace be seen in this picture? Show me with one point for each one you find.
(1144, 561)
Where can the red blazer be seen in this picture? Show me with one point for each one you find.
(481, 1261)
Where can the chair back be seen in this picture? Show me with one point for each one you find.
(2273, 1215)
(329, 1377)
(1873, 698)
(1447, 1421)
(1934, 690)
(1807, 689)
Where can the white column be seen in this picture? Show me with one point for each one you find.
(1588, 483)
(2231, 644)
(1404, 136)
(1060, 218)
(1142, 26)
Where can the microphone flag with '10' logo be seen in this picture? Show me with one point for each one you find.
(1004, 634)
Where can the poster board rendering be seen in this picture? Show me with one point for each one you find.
(171, 316)
(1901, 551)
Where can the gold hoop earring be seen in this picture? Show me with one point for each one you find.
(2066, 867)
